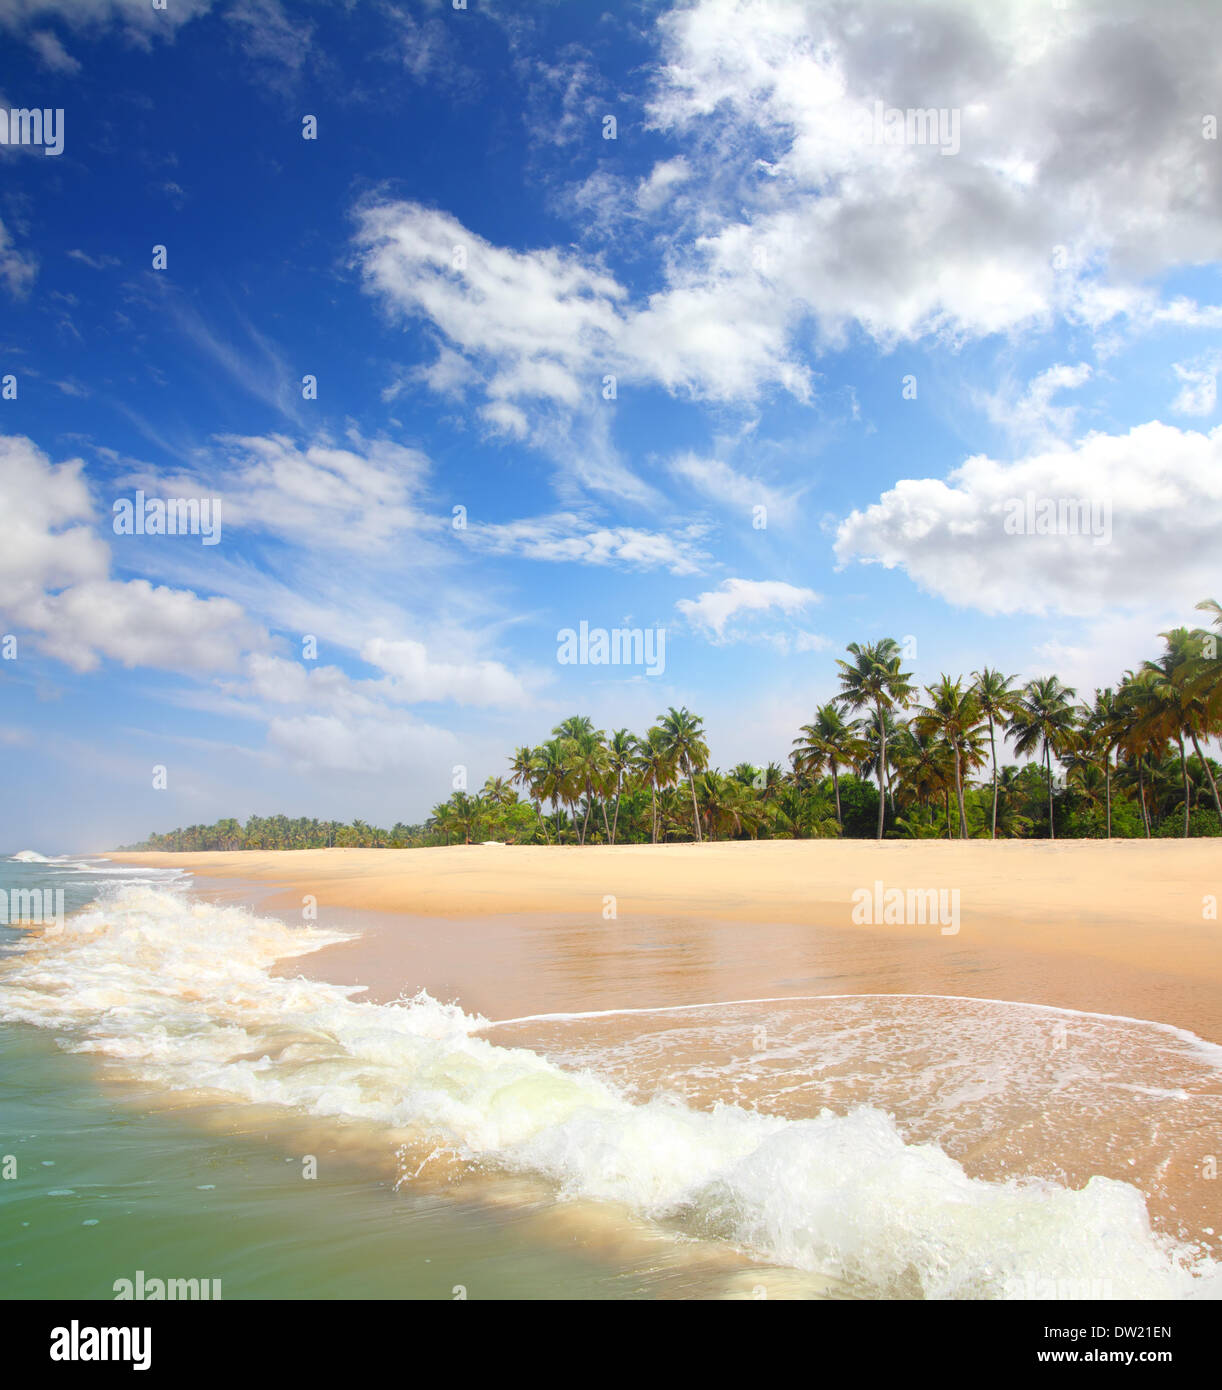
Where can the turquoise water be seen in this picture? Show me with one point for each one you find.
(108, 1182)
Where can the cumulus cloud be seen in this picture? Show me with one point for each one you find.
(713, 610)
(54, 581)
(1043, 209)
(1159, 487)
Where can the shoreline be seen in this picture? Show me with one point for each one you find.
(512, 931)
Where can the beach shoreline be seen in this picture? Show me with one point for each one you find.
(1105, 927)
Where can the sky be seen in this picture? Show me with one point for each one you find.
(483, 322)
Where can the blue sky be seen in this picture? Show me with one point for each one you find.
(461, 259)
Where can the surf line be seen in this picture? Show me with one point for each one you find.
(1184, 1033)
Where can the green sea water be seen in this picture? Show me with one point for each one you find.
(108, 1182)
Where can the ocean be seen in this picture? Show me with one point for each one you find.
(177, 1103)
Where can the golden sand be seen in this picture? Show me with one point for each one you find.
(1113, 927)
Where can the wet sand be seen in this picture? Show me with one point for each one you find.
(509, 931)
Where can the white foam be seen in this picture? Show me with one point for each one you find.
(181, 993)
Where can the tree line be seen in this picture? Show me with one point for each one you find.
(881, 758)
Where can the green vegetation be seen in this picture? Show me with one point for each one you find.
(1131, 765)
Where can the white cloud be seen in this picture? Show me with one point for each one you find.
(656, 188)
(139, 624)
(714, 609)
(140, 22)
(54, 581)
(371, 745)
(1199, 393)
(565, 536)
(1032, 416)
(418, 676)
(1162, 490)
(51, 53)
(719, 481)
(1044, 209)
(17, 268)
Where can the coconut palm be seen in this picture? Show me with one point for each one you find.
(997, 703)
(685, 742)
(552, 776)
(829, 741)
(620, 750)
(873, 680)
(1101, 730)
(955, 714)
(524, 772)
(1043, 717)
(1179, 705)
(655, 766)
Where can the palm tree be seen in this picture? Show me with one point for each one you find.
(589, 763)
(829, 741)
(997, 703)
(685, 742)
(1179, 706)
(1138, 737)
(1101, 728)
(873, 680)
(654, 764)
(552, 775)
(524, 772)
(955, 714)
(1044, 717)
(926, 770)
(620, 747)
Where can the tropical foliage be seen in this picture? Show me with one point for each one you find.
(880, 758)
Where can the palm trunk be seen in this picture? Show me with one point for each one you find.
(691, 777)
(653, 804)
(1052, 829)
(606, 823)
(959, 795)
(836, 788)
(882, 766)
(615, 818)
(1213, 786)
(1184, 770)
(1107, 787)
(1141, 791)
(585, 824)
(993, 751)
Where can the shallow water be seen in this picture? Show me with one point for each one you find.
(870, 1147)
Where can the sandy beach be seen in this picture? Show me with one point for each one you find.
(1117, 927)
